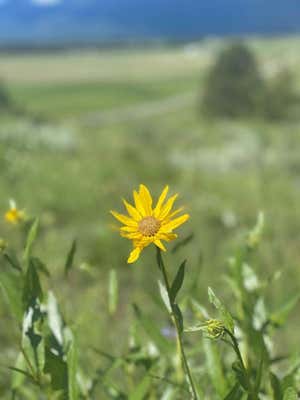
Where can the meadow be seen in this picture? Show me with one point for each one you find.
(92, 126)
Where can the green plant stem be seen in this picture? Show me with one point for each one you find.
(186, 367)
(235, 345)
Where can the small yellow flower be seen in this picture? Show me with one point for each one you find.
(214, 328)
(145, 225)
(14, 215)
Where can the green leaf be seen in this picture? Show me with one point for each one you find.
(178, 281)
(57, 368)
(240, 375)
(235, 393)
(32, 339)
(224, 313)
(279, 316)
(18, 377)
(113, 291)
(11, 283)
(23, 373)
(141, 391)
(70, 257)
(276, 387)
(214, 367)
(259, 373)
(40, 266)
(31, 237)
(13, 261)
(55, 320)
(164, 295)
(290, 394)
(72, 360)
(153, 332)
(32, 289)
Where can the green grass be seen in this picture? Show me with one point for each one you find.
(225, 173)
(75, 99)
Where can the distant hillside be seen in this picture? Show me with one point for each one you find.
(21, 20)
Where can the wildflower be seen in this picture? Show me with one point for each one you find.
(14, 215)
(145, 224)
(213, 328)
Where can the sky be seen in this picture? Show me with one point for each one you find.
(59, 20)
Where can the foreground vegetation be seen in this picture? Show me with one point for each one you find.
(62, 162)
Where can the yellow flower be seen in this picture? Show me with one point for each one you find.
(145, 225)
(14, 215)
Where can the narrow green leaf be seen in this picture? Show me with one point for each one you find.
(290, 394)
(141, 391)
(72, 359)
(259, 373)
(178, 281)
(31, 237)
(113, 291)
(32, 339)
(40, 266)
(55, 320)
(224, 313)
(240, 375)
(214, 367)
(22, 372)
(18, 378)
(57, 368)
(164, 296)
(32, 289)
(11, 284)
(276, 387)
(13, 261)
(70, 257)
(235, 393)
(280, 315)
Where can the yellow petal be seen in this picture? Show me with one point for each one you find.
(167, 207)
(169, 216)
(173, 224)
(128, 228)
(160, 201)
(143, 241)
(131, 235)
(138, 204)
(159, 244)
(133, 212)
(134, 255)
(125, 220)
(168, 237)
(146, 199)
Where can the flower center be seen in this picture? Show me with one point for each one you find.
(149, 226)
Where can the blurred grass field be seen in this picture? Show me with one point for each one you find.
(62, 161)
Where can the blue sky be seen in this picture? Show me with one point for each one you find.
(53, 20)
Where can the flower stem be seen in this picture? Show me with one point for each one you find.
(252, 393)
(177, 326)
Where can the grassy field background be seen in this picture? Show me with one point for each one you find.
(91, 129)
